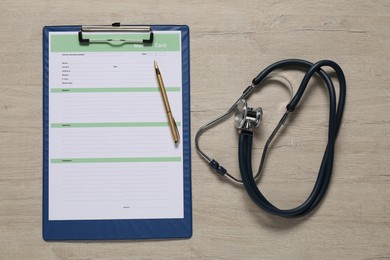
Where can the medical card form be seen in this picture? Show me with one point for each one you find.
(111, 154)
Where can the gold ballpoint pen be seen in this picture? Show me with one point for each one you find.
(171, 120)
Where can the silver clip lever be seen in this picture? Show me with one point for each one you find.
(116, 27)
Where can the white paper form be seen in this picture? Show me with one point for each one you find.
(111, 153)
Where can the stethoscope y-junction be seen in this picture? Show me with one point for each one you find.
(246, 119)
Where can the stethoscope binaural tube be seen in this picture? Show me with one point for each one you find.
(325, 171)
(219, 169)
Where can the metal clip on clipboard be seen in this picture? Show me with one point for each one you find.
(116, 27)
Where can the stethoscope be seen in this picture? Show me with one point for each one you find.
(247, 119)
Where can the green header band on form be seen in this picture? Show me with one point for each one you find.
(114, 124)
(114, 160)
(80, 90)
(70, 43)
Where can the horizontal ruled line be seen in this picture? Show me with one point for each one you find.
(108, 160)
(81, 90)
(112, 124)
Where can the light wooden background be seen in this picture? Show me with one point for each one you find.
(231, 41)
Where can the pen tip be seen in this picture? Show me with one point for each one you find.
(155, 65)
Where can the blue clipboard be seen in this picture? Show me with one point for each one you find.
(120, 229)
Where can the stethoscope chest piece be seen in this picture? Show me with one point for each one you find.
(246, 117)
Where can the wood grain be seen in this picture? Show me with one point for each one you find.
(231, 41)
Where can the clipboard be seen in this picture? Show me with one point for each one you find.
(79, 228)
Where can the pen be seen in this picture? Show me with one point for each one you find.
(171, 121)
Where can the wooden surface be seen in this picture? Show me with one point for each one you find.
(231, 41)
